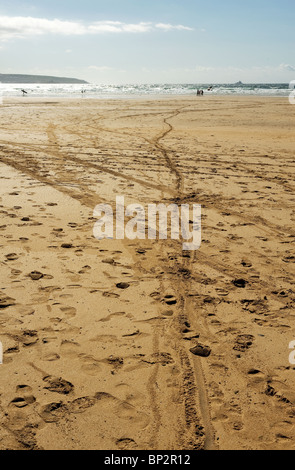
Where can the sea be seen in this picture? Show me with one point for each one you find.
(102, 91)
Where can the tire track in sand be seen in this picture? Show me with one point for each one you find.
(195, 374)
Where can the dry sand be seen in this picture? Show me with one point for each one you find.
(88, 365)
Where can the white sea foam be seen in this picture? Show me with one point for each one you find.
(116, 91)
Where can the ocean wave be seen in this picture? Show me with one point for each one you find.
(109, 91)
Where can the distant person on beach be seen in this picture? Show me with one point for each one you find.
(200, 93)
(24, 92)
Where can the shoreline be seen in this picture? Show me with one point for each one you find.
(136, 98)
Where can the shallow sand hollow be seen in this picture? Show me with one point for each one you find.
(91, 365)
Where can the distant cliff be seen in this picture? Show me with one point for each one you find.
(12, 78)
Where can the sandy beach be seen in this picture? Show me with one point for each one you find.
(97, 335)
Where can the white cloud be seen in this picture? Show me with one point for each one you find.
(21, 27)
(102, 68)
(202, 69)
(287, 67)
(171, 27)
(118, 27)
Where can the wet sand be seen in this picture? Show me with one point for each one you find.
(97, 335)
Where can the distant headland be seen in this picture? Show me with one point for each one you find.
(39, 79)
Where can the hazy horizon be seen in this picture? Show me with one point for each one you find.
(97, 83)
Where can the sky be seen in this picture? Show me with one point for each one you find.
(150, 41)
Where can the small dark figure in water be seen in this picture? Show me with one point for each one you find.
(24, 92)
(200, 93)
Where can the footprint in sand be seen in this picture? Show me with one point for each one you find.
(36, 275)
(67, 246)
(141, 251)
(243, 343)
(116, 362)
(170, 300)
(27, 338)
(20, 402)
(58, 385)
(57, 411)
(50, 357)
(240, 283)
(69, 312)
(6, 301)
(111, 316)
(24, 397)
(256, 374)
(90, 366)
(246, 264)
(168, 313)
(85, 270)
(201, 351)
(163, 359)
(24, 388)
(26, 311)
(126, 444)
(11, 257)
(54, 412)
(123, 285)
(110, 261)
(70, 349)
(104, 339)
(111, 295)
